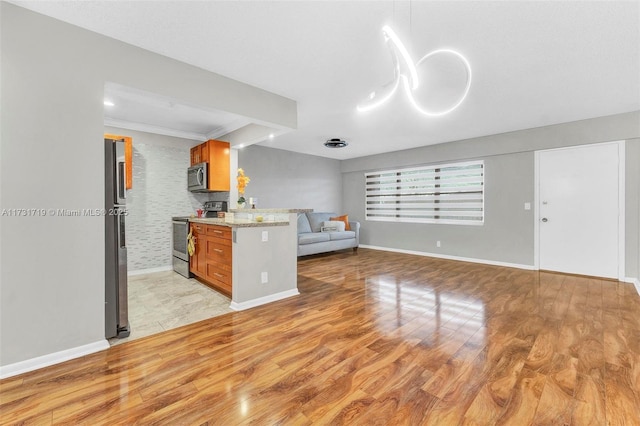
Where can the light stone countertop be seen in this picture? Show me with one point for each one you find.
(236, 223)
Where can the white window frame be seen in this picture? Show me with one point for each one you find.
(451, 193)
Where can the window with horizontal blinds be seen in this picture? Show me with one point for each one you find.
(443, 193)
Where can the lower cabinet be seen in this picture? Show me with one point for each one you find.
(212, 259)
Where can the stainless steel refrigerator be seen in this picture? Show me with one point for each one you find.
(116, 303)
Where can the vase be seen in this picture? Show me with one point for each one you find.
(241, 205)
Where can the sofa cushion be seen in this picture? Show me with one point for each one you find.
(344, 235)
(313, 237)
(344, 218)
(316, 219)
(333, 225)
(303, 223)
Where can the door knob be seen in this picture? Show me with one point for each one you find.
(544, 219)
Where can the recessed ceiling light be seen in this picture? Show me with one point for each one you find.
(271, 135)
(335, 143)
(241, 146)
(109, 103)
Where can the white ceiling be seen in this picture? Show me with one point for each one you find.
(140, 110)
(534, 63)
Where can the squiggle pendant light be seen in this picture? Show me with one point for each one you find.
(404, 69)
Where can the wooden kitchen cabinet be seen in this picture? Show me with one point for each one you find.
(216, 154)
(211, 262)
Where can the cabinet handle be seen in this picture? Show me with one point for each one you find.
(217, 232)
(218, 275)
(218, 250)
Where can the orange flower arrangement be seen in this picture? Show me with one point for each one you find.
(243, 180)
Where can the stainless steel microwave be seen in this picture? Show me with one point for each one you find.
(197, 178)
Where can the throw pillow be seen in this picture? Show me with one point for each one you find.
(333, 225)
(344, 218)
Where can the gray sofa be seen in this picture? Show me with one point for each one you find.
(311, 239)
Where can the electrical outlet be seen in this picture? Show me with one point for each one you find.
(265, 236)
(438, 243)
(527, 206)
(264, 277)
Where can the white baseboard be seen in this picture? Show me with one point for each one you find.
(263, 300)
(634, 281)
(51, 359)
(448, 257)
(150, 270)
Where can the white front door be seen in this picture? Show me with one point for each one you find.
(578, 210)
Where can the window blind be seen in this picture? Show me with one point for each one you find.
(443, 193)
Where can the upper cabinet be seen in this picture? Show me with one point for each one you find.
(128, 157)
(216, 154)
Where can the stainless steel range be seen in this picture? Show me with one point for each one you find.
(180, 232)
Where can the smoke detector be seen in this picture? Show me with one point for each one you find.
(335, 143)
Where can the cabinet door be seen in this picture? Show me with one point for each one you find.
(204, 152)
(193, 260)
(198, 260)
(219, 166)
(196, 154)
(202, 255)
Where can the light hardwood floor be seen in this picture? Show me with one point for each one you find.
(374, 338)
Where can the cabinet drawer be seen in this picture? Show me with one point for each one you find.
(217, 251)
(223, 232)
(198, 228)
(216, 273)
(219, 276)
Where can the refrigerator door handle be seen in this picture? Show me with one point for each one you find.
(121, 179)
(123, 297)
(121, 229)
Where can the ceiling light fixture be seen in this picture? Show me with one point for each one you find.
(335, 143)
(404, 69)
(108, 103)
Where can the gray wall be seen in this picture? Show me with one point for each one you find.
(285, 179)
(507, 235)
(276, 257)
(52, 78)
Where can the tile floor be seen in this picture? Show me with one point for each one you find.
(165, 300)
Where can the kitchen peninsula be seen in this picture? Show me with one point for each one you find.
(250, 255)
